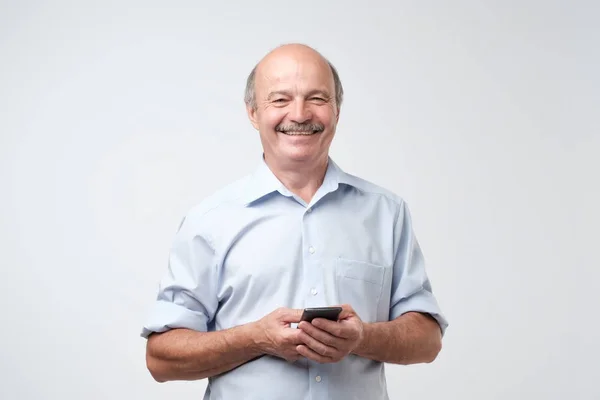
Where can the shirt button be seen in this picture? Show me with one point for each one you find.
(318, 378)
(313, 291)
(311, 250)
(309, 210)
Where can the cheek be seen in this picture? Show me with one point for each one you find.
(325, 115)
(272, 117)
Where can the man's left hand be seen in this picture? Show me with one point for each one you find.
(330, 341)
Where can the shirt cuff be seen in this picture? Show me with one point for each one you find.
(424, 302)
(166, 315)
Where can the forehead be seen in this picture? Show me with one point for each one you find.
(298, 73)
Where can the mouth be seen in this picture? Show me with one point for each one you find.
(301, 133)
(304, 129)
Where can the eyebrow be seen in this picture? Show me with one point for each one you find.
(278, 92)
(322, 93)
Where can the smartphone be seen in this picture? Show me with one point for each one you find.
(330, 313)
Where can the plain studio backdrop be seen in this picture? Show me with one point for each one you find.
(117, 117)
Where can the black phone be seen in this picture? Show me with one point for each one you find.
(330, 313)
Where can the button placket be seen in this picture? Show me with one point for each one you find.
(312, 288)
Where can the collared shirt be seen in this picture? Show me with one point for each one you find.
(255, 246)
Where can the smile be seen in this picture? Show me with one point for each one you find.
(293, 133)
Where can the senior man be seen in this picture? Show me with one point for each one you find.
(297, 232)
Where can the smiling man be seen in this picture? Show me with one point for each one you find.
(298, 232)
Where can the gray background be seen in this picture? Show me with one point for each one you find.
(116, 117)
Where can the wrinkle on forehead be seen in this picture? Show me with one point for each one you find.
(296, 64)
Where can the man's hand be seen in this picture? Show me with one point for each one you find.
(276, 337)
(327, 341)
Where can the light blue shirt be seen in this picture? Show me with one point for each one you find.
(254, 246)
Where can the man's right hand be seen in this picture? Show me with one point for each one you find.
(274, 335)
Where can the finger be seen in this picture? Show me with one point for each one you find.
(337, 329)
(294, 337)
(320, 335)
(316, 346)
(347, 311)
(311, 355)
(290, 315)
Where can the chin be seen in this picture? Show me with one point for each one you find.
(298, 155)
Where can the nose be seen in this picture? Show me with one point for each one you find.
(300, 112)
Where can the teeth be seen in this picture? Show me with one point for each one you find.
(299, 133)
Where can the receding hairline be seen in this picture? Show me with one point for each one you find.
(250, 94)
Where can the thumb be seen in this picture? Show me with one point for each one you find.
(347, 312)
(292, 315)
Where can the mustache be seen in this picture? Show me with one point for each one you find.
(300, 128)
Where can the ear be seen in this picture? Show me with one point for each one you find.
(337, 115)
(252, 116)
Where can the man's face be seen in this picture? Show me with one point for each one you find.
(296, 112)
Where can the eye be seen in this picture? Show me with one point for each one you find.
(320, 99)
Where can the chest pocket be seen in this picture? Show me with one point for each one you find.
(360, 285)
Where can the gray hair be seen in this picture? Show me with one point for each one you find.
(250, 94)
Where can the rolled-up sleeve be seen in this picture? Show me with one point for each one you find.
(411, 287)
(187, 293)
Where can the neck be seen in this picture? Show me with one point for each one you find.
(301, 178)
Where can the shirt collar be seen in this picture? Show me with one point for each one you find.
(263, 182)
